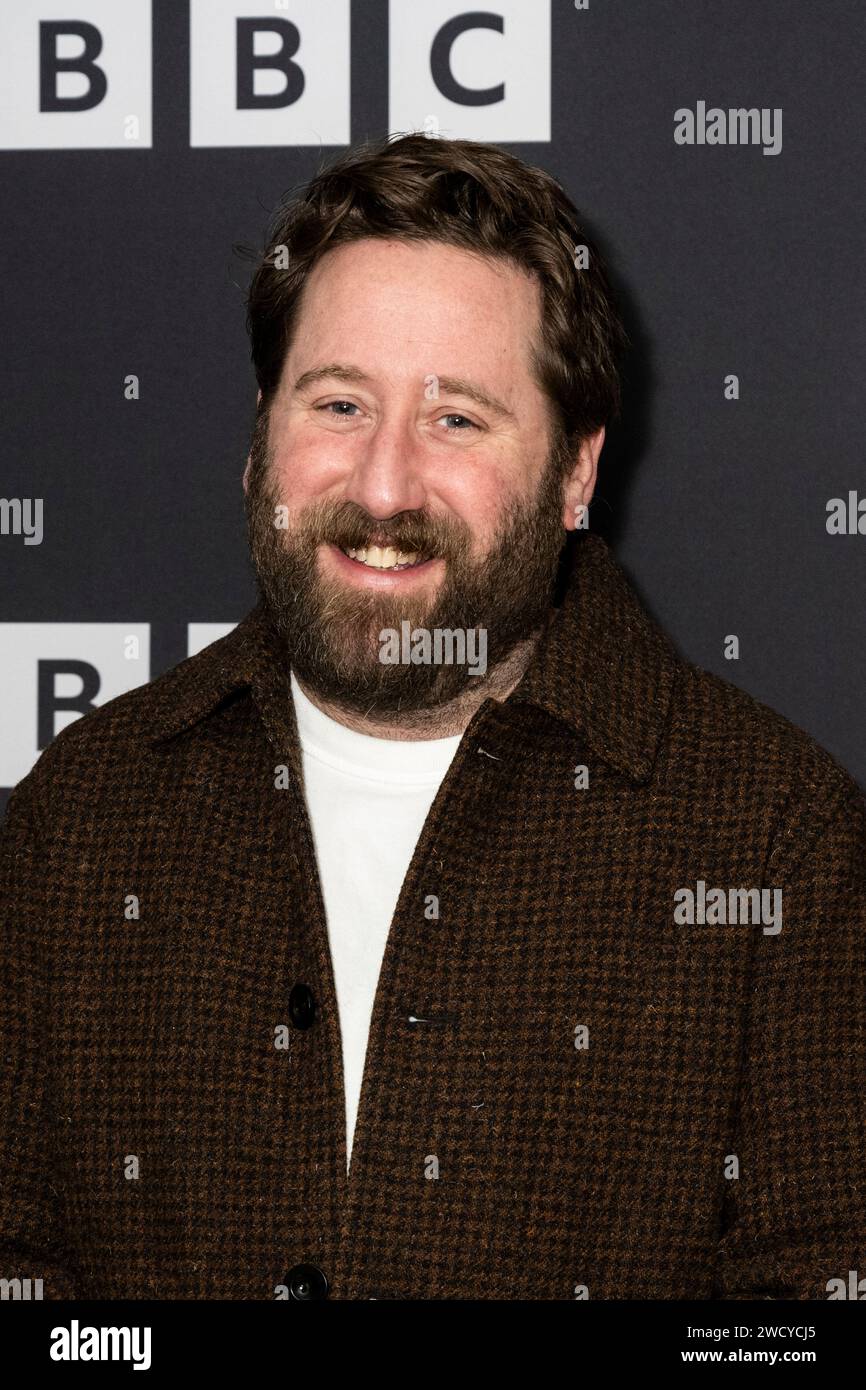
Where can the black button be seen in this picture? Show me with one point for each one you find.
(302, 1006)
(306, 1282)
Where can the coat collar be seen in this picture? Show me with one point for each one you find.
(602, 667)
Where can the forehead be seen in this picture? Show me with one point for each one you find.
(425, 299)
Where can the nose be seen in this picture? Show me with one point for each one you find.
(387, 475)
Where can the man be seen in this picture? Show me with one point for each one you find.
(438, 933)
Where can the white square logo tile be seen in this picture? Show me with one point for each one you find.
(274, 74)
(53, 673)
(471, 73)
(75, 74)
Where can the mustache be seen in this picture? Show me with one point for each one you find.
(350, 527)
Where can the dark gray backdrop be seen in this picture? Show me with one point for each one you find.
(728, 261)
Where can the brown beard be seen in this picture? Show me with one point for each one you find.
(331, 631)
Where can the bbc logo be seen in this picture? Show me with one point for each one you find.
(77, 74)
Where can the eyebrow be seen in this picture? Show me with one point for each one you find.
(450, 385)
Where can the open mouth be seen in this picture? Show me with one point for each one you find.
(379, 557)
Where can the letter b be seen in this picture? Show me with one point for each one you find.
(248, 61)
(50, 65)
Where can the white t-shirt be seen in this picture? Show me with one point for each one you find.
(368, 799)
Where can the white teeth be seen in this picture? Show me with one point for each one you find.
(382, 558)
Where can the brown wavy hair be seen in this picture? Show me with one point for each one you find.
(471, 195)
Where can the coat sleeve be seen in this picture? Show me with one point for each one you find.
(32, 1243)
(795, 1218)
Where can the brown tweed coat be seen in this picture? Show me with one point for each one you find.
(568, 1093)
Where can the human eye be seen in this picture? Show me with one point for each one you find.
(466, 422)
(338, 415)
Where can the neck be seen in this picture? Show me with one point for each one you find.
(444, 721)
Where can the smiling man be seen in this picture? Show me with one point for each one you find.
(386, 978)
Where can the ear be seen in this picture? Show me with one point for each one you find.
(246, 477)
(580, 483)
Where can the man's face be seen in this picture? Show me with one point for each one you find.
(406, 419)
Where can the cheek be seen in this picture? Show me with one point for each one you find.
(308, 463)
(298, 476)
(478, 500)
